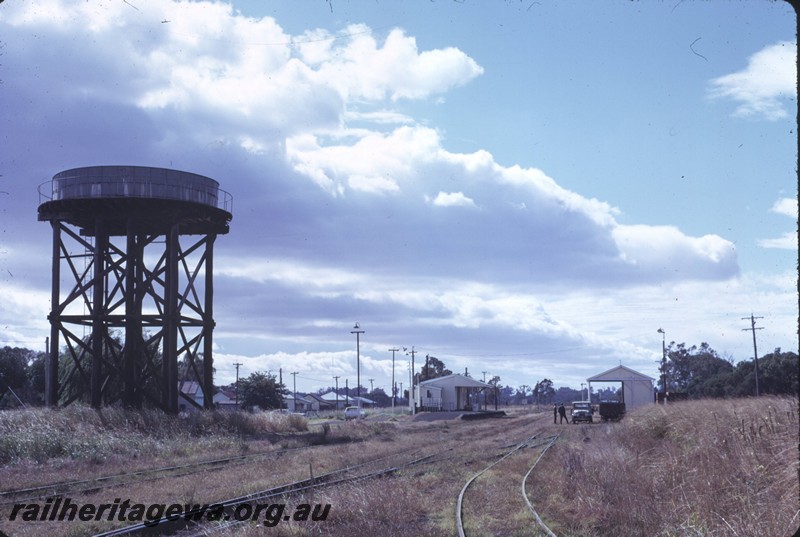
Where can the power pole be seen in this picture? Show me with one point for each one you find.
(755, 350)
(411, 396)
(394, 389)
(664, 364)
(371, 387)
(485, 400)
(294, 389)
(336, 378)
(237, 364)
(346, 392)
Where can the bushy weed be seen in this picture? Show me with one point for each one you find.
(710, 467)
(82, 433)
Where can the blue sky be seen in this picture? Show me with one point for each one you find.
(530, 189)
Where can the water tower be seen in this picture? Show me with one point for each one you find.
(132, 292)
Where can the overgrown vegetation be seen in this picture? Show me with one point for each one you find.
(79, 432)
(709, 467)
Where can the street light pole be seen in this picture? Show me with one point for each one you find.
(357, 331)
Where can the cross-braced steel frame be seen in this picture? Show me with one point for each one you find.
(156, 292)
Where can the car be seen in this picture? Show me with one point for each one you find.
(353, 412)
(582, 411)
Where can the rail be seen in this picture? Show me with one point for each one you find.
(134, 182)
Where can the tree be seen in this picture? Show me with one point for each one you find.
(434, 368)
(13, 372)
(696, 371)
(543, 391)
(261, 390)
(777, 374)
(380, 397)
(492, 395)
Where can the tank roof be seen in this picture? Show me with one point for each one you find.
(153, 199)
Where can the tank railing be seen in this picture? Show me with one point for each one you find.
(217, 197)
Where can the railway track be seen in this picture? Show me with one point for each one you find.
(436, 457)
(81, 486)
(531, 442)
(190, 523)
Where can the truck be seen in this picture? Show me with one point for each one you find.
(582, 411)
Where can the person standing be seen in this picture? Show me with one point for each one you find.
(563, 413)
(555, 413)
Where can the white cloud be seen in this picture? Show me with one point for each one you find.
(786, 206)
(761, 89)
(362, 69)
(789, 240)
(666, 249)
(453, 199)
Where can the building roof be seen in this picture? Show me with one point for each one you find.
(299, 397)
(619, 373)
(320, 399)
(331, 396)
(189, 387)
(457, 380)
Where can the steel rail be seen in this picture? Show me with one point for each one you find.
(167, 526)
(525, 494)
(107, 481)
(459, 503)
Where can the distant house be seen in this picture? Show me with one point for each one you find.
(225, 400)
(363, 402)
(299, 403)
(191, 392)
(339, 401)
(451, 392)
(637, 388)
(320, 403)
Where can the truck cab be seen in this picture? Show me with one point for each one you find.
(582, 411)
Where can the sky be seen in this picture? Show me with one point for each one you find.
(526, 189)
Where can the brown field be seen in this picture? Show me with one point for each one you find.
(712, 467)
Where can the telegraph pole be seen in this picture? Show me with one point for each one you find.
(411, 398)
(755, 349)
(394, 390)
(336, 378)
(237, 364)
(294, 389)
(664, 363)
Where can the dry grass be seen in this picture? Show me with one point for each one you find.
(712, 467)
(697, 468)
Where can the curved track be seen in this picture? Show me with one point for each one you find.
(547, 442)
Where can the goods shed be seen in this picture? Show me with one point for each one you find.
(637, 388)
(451, 392)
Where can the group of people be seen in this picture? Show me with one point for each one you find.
(560, 410)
